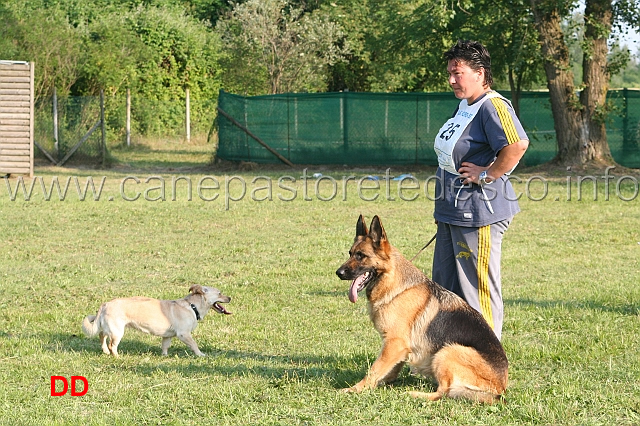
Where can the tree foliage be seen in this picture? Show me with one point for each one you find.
(629, 76)
(398, 44)
(277, 47)
(81, 47)
(158, 48)
(27, 35)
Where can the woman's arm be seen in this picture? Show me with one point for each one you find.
(508, 158)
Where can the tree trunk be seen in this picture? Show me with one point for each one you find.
(515, 91)
(595, 76)
(579, 121)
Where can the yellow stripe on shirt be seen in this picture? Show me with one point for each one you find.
(506, 120)
(484, 293)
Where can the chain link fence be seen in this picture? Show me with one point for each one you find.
(74, 119)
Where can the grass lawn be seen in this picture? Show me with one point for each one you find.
(571, 277)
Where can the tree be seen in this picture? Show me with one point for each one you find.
(179, 53)
(155, 49)
(580, 118)
(279, 48)
(398, 44)
(46, 38)
(360, 30)
(507, 29)
(207, 10)
(113, 56)
(630, 75)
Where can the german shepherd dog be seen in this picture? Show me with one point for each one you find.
(422, 323)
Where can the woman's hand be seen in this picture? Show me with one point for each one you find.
(508, 158)
(471, 173)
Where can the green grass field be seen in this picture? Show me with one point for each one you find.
(571, 280)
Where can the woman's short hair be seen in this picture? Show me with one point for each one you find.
(474, 55)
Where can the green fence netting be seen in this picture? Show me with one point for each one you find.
(388, 128)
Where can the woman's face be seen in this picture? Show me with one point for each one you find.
(465, 82)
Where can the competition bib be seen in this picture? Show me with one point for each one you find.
(450, 133)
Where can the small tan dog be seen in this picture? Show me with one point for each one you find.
(164, 318)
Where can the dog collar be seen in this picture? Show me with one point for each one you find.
(195, 311)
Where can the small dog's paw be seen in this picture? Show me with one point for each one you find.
(202, 354)
(352, 389)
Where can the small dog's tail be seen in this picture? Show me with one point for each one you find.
(91, 325)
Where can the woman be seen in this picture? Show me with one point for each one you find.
(477, 149)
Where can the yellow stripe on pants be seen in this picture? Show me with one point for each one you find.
(484, 293)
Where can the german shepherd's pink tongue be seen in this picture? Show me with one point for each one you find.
(355, 287)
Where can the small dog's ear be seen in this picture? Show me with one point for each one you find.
(196, 289)
(361, 227)
(376, 232)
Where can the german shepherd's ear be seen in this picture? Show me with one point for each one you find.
(361, 228)
(376, 231)
(196, 289)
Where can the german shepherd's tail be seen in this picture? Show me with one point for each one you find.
(472, 393)
(90, 324)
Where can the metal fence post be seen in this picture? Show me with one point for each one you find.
(55, 122)
(188, 114)
(104, 134)
(625, 119)
(128, 124)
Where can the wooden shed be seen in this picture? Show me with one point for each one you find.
(16, 117)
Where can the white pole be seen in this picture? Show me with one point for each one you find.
(128, 117)
(188, 117)
(55, 120)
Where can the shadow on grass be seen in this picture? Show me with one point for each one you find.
(283, 369)
(278, 369)
(329, 293)
(625, 309)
